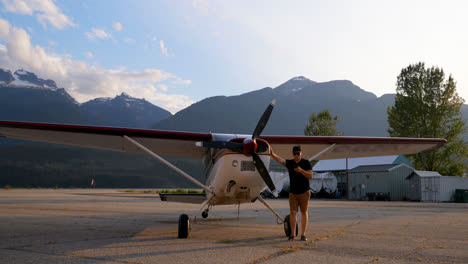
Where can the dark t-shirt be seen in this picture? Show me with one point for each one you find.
(298, 183)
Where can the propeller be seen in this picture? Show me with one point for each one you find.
(249, 147)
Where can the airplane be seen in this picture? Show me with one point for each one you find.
(236, 165)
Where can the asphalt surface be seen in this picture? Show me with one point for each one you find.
(106, 226)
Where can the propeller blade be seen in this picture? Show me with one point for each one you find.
(263, 120)
(264, 173)
(234, 146)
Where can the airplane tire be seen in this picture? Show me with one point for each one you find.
(287, 226)
(204, 214)
(184, 226)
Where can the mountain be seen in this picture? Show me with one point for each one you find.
(25, 97)
(360, 112)
(122, 111)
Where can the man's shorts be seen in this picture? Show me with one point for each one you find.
(299, 200)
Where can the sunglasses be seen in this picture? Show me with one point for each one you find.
(296, 153)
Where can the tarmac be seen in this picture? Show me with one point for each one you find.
(107, 226)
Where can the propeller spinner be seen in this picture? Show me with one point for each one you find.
(249, 147)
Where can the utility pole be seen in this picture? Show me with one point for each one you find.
(347, 180)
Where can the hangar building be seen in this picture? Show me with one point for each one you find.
(382, 182)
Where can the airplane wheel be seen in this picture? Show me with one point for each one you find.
(204, 214)
(287, 226)
(184, 226)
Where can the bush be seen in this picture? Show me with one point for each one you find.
(8, 187)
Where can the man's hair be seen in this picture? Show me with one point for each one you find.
(296, 149)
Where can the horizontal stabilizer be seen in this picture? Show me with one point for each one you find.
(193, 198)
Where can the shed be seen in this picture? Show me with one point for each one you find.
(388, 180)
(338, 166)
(424, 186)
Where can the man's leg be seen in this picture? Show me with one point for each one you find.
(292, 222)
(293, 205)
(304, 206)
(304, 220)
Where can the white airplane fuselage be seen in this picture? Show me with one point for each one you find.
(233, 177)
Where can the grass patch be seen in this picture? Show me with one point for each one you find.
(184, 191)
(8, 187)
(226, 241)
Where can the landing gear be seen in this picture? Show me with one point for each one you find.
(204, 214)
(287, 226)
(184, 226)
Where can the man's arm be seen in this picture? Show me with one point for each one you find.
(309, 174)
(277, 158)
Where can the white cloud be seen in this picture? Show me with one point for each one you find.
(129, 41)
(181, 81)
(163, 87)
(45, 10)
(201, 6)
(97, 33)
(89, 55)
(85, 82)
(52, 43)
(163, 48)
(4, 28)
(117, 26)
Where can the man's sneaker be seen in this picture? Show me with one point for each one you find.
(291, 238)
(303, 238)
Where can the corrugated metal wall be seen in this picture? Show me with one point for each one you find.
(373, 182)
(399, 185)
(448, 185)
(392, 182)
(430, 189)
(415, 189)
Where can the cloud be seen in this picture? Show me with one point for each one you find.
(181, 81)
(97, 33)
(129, 41)
(163, 48)
(162, 87)
(45, 10)
(52, 43)
(83, 81)
(117, 26)
(201, 6)
(4, 28)
(89, 55)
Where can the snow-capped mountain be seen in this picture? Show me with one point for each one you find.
(22, 78)
(123, 110)
(25, 97)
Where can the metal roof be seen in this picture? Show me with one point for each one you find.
(424, 174)
(376, 168)
(340, 164)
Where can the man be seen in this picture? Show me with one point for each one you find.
(300, 171)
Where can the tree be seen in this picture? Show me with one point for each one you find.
(427, 106)
(322, 124)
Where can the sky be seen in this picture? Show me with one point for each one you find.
(176, 53)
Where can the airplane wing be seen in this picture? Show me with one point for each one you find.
(166, 143)
(182, 144)
(351, 147)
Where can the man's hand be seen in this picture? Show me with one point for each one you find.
(308, 174)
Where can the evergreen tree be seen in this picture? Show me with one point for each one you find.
(322, 124)
(427, 106)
